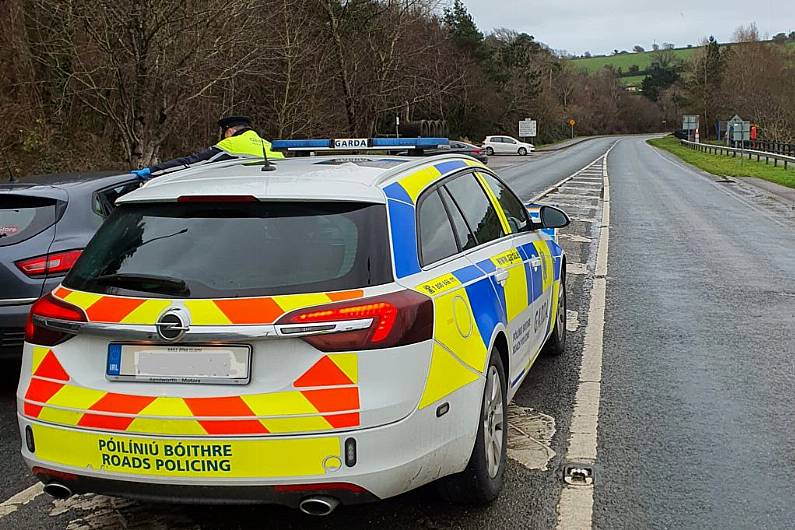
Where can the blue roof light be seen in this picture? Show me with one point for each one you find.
(358, 144)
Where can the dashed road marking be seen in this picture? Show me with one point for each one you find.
(576, 268)
(572, 320)
(575, 508)
(575, 238)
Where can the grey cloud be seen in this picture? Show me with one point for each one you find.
(603, 25)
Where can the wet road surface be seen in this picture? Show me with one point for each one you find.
(695, 425)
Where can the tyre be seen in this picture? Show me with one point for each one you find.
(489, 151)
(482, 480)
(556, 343)
(522, 151)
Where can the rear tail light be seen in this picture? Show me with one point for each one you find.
(397, 319)
(52, 264)
(49, 307)
(477, 151)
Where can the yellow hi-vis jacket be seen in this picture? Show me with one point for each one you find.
(243, 144)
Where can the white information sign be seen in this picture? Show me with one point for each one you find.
(528, 128)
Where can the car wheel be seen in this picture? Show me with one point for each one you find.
(556, 343)
(522, 151)
(489, 151)
(483, 478)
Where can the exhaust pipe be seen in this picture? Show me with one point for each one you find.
(57, 490)
(319, 505)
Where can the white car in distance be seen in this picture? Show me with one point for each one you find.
(505, 145)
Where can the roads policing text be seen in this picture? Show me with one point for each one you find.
(166, 456)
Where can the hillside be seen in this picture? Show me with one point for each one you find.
(641, 60)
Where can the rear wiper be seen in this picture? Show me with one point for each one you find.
(146, 282)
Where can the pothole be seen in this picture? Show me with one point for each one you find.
(530, 437)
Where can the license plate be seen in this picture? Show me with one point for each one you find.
(193, 364)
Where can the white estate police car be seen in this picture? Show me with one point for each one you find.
(336, 330)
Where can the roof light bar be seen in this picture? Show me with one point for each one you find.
(358, 144)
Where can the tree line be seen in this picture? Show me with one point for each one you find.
(99, 84)
(752, 78)
(91, 84)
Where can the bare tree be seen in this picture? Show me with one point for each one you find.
(140, 64)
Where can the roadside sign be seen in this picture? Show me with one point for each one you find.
(572, 122)
(690, 122)
(528, 128)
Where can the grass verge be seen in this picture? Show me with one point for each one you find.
(726, 165)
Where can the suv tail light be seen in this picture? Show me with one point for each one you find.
(397, 319)
(50, 307)
(49, 264)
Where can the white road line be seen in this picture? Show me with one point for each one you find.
(12, 504)
(575, 508)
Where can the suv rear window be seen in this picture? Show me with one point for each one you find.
(227, 250)
(22, 217)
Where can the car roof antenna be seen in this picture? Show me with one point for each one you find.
(267, 166)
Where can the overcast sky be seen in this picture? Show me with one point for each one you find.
(600, 26)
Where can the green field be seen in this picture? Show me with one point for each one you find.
(723, 165)
(642, 60)
(624, 61)
(633, 80)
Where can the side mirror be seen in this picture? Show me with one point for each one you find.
(552, 217)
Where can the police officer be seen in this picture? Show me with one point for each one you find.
(238, 140)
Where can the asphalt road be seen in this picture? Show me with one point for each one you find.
(697, 423)
(696, 426)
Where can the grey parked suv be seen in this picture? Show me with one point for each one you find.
(45, 222)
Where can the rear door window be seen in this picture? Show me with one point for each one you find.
(206, 250)
(105, 200)
(22, 217)
(466, 238)
(437, 240)
(476, 208)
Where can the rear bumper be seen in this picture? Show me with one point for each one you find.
(389, 460)
(12, 329)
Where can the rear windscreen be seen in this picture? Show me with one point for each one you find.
(204, 250)
(22, 217)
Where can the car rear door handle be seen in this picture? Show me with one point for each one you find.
(535, 262)
(501, 276)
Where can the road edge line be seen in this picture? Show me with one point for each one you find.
(575, 507)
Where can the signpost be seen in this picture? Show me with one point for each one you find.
(528, 128)
(690, 124)
(739, 130)
(572, 122)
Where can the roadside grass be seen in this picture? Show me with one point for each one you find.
(726, 165)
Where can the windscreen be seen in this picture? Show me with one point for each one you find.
(22, 217)
(227, 250)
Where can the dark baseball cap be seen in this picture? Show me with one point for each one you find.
(234, 121)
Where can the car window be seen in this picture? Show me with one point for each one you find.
(229, 250)
(105, 200)
(510, 141)
(22, 217)
(437, 240)
(514, 210)
(476, 208)
(466, 239)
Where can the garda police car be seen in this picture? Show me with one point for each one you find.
(337, 330)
